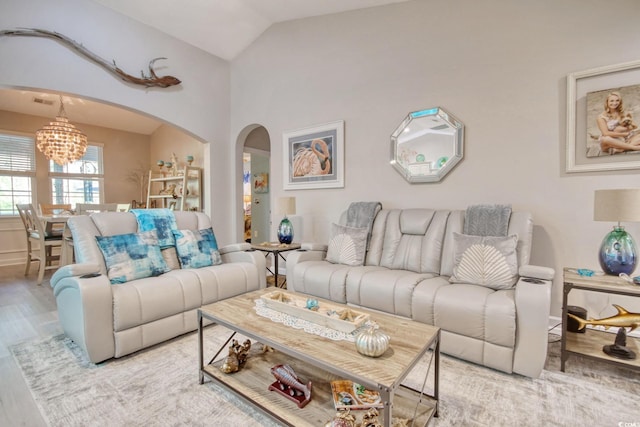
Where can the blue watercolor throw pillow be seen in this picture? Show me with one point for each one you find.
(161, 220)
(197, 248)
(132, 256)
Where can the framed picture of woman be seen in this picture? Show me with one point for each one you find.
(603, 111)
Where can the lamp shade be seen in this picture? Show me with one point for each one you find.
(287, 206)
(617, 205)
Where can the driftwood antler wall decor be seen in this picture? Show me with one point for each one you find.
(152, 80)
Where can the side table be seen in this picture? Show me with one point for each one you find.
(276, 249)
(590, 343)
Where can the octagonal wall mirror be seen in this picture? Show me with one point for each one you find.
(427, 145)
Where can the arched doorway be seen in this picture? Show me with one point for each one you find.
(256, 205)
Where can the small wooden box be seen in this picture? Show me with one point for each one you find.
(328, 314)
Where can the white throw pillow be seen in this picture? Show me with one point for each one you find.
(347, 245)
(485, 260)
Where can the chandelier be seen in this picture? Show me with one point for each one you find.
(60, 141)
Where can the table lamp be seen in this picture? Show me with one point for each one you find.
(618, 253)
(286, 206)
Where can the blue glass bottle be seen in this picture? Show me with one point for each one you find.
(285, 231)
(618, 252)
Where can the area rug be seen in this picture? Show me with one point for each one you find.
(159, 387)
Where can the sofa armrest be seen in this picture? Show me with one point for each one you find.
(533, 303)
(307, 252)
(85, 310)
(536, 272)
(313, 247)
(72, 270)
(318, 253)
(242, 252)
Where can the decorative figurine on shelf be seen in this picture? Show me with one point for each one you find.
(624, 319)
(237, 357)
(170, 190)
(289, 385)
(370, 418)
(619, 347)
(342, 419)
(174, 162)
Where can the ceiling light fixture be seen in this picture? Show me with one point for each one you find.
(60, 140)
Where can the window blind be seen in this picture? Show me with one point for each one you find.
(17, 153)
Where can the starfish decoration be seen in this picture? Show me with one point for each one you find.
(279, 296)
(347, 314)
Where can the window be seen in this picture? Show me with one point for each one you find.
(17, 171)
(80, 181)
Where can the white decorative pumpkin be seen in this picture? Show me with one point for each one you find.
(372, 341)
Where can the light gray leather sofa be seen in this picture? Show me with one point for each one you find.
(114, 320)
(406, 272)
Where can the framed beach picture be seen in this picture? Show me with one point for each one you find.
(313, 157)
(603, 112)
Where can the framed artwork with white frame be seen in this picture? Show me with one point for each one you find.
(587, 149)
(313, 157)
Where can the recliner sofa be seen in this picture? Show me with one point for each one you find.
(406, 272)
(112, 320)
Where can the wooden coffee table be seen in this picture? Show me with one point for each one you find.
(321, 361)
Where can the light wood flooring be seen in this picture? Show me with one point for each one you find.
(27, 312)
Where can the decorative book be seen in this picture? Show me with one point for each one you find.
(350, 395)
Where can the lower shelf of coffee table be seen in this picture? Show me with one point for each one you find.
(253, 380)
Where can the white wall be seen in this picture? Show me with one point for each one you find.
(500, 66)
(200, 105)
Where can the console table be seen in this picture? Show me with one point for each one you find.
(590, 343)
(276, 249)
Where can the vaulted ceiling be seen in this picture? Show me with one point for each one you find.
(223, 28)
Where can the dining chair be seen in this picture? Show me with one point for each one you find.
(35, 231)
(87, 208)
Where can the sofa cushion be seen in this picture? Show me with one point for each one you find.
(485, 261)
(197, 248)
(132, 256)
(161, 220)
(347, 245)
(143, 301)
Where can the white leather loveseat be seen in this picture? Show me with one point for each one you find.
(112, 320)
(406, 272)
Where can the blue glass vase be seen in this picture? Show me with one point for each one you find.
(618, 252)
(285, 231)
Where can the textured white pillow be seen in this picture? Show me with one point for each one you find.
(347, 245)
(485, 260)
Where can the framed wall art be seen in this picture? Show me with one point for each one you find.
(261, 182)
(591, 98)
(313, 157)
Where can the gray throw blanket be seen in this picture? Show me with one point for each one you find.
(487, 220)
(361, 215)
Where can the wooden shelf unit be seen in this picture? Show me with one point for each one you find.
(590, 343)
(187, 194)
